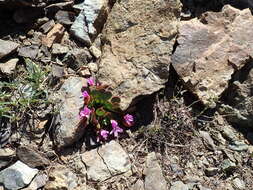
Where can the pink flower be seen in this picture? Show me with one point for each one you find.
(91, 82)
(115, 128)
(129, 120)
(85, 94)
(85, 112)
(104, 134)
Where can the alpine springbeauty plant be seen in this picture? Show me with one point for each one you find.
(101, 111)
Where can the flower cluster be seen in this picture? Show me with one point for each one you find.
(101, 111)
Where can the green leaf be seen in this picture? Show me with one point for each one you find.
(100, 112)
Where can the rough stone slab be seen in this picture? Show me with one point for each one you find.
(32, 157)
(105, 162)
(9, 66)
(69, 129)
(211, 49)
(29, 51)
(61, 177)
(154, 179)
(17, 176)
(79, 29)
(7, 47)
(139, 39)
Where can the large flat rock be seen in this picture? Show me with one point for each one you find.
(69, 129)
(7, 47)
(139, 38)
(105, 162)
(211, 49)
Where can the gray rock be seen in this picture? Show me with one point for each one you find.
(57, 71)
(239, 184)
(61, 177)
(17, 176)
(93, 67)
(95, 12)
(6, 156)
(38, 182)
(65, 17)
(32, 157)
(240, 98)
(154, 179)
(239, 146)
(79, 29)
(9, 66)
(228, 165)
(105, 162)
(59, 49)
(47, 26)
(77, 58)
(95, 51)
(178, 185)
(29, 51)
(7, 47)
(207, 139)
(70, 129)
(139, 185)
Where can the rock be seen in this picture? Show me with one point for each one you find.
(79, 29)
(6, 153)
(105, 162)
(54, 36)
(178, 185)
(9, 66)
(138, 185)
(65, 17)
(41, 21)
(207, 139)
(17, 176)
(6, 156)
(95, 51)
(61, 177)
(7, 47)
(76, 58)
(227, 165)
(38, 182)
(29, 51)
(59, 49)
(239, 146)
(70, 129)
(239, 101)
(211, 49)
(136, 56)
(239, 184)
(96, 12)
(154, 179)
(211, 171)
(47, 26)
(93, 67)
(32, 157)
(57, 71)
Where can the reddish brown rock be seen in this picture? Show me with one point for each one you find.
(54, 36)
(211, 49)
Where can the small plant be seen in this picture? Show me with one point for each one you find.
(26, 92)
(102, 113)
